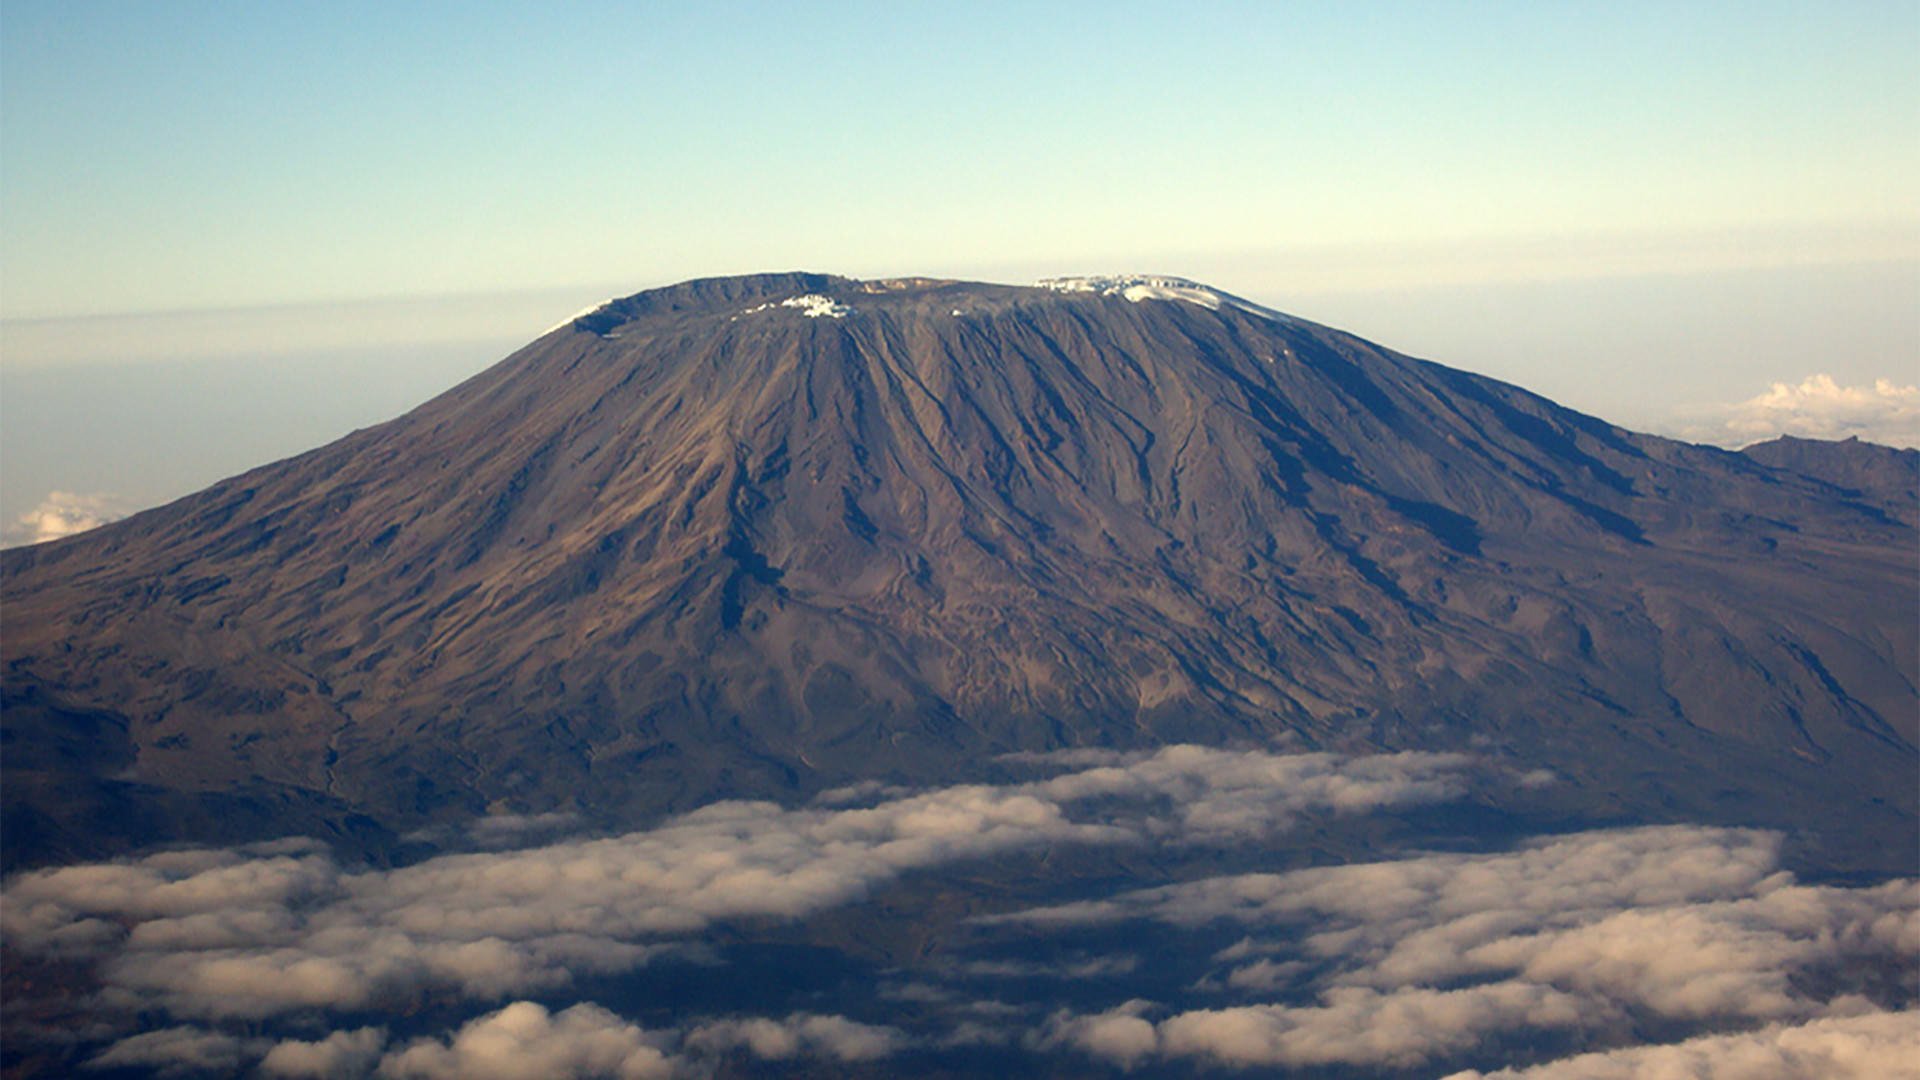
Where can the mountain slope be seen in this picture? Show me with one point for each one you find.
(761, 536)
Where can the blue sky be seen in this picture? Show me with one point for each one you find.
(1495, 185)
(159, 156)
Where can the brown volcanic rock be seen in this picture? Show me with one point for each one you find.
(702, 543)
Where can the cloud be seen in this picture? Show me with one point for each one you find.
(1220, 795)
(63, 513)
(1817, 407)
(520, 1040)
(1875, 1046)
(500, 830)
(233, 934)
(1353, 1026)
(1091, 967)
(1360, 1026)
(179, 1051)
(1603, 870)
(342, 1053)
(799, 1035)
(254, 932)
(524, 1041)
(1585, 932)
(1118, 1035)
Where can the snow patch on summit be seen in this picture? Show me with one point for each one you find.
(575, 317)
(812, 305)
(815, 306)
(1138, 287)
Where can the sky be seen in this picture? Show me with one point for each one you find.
(1665, 213)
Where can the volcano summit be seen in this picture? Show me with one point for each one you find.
(765, 536)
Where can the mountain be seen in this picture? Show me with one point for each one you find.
(1886, 475)
(762, 536)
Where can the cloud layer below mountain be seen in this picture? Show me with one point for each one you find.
(1588, 942)
(252, 933)
(1591, 938)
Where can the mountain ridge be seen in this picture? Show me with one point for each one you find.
(699, 542)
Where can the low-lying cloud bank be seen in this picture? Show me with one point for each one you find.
(1592, 938)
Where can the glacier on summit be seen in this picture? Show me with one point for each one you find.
(1138, 287)
(812, 305)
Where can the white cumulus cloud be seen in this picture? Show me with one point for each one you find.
(1121, 1034)
(1817, 407)
(63, 513)
(340, 1054)
(524, 1041)
(800, 1035)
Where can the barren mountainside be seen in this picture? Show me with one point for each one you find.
(765, 535)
